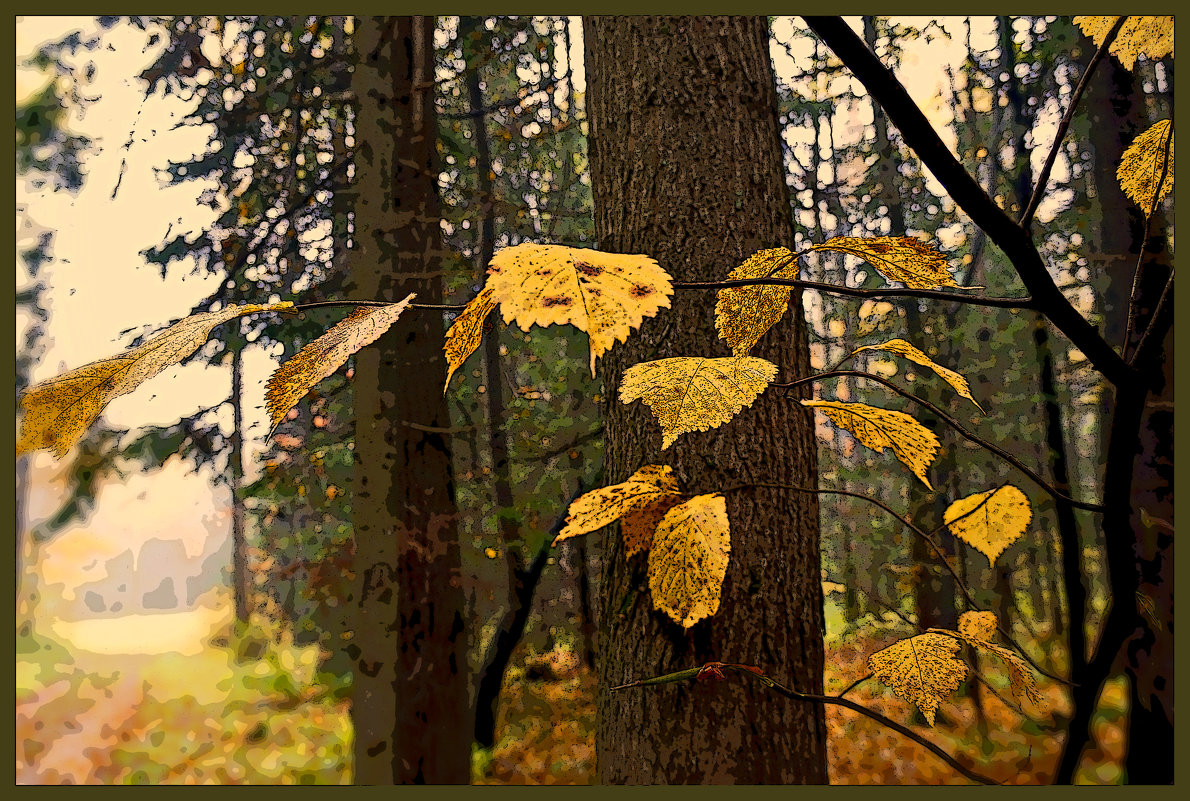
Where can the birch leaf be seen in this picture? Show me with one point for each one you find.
(898, 258)
(923, 670)
(978, 629)
(877, 428)
(291, 381)
(977, 625)
(58, 411)
(990, 521)
(639, 524)
(605, 294)
(466, 332)
(903, 348)
(688, 561)
(604, 506)
(692, 393)
(1142, 165)
(744, 314)
(1152, 36)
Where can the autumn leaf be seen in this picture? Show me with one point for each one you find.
(978, 629)
(639, 523)
(688, 561)
(878, 429)
(692, 393)
(743, 314)
(466, 332)
(923, 670)
(602, 507)
(58, 411)
(903, 348)
(605, 294)
(1150, 35)
(990, 521)
(1142, 165)
(898, 258)
(291, 381)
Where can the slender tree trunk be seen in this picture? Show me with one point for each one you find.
(409, 642)
(241, 577)
(686, 166)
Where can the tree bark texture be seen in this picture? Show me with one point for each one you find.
(408, 646)
(686, 166)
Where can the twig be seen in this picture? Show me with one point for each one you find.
(1043, 178)
(950, 421)
(716, 668)
(1132, 297)
(962, 585)
(1024, 302)
(1010, 237)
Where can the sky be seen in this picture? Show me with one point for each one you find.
(99, 285)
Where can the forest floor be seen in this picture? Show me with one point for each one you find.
(253, 712)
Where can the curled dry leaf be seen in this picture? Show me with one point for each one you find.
(903, 348)
(467, 332)
(688, 561)
(743, 314)
(605, 294)
(644, 489)
(1142, 166)
(911, 442)
(898, 258)
(1151, 35)
(923, 670)
(58, 411)
(990, 521)
(692, 393)
(291, 381)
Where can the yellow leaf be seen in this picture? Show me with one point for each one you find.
(898, 258)
(604, 506)
(466, 332)
(291, 381)
(877, 428)
(743, 314)
(923, 670)
(977, 625)
(1152, 36)
(605, 294)
(978, 629)
(903, 348)
(639, 524)
(691, 393)
(58, 411)
(990, 521)
(1141, 167)
(688, 561)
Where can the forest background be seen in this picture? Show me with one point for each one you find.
(118, 119)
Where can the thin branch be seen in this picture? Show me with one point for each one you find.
(1165, 295)
(326, 304)
(1132, 297)
(1048, 488)
(929, 540)
(836, 700)
(1024, 302)
(1010, 237)
(853, 685)
(1043, 178)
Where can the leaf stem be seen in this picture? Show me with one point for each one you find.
(1024, 302)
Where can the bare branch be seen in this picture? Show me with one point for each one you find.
(834, 289)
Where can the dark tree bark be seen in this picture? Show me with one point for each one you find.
(686, 166)
(241, 579)
(408, 645)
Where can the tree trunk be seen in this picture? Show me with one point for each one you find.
(686, 166)
(409, 641)
(241, 579)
